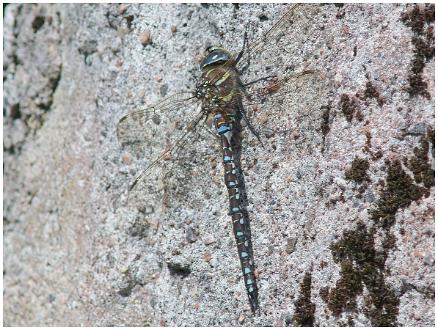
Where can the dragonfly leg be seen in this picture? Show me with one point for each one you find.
(259, 80)
(243, 115)
(267, 78)
(242, 51)
(245, 43)
(276, 86)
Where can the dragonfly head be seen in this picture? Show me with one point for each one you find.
(214, 55)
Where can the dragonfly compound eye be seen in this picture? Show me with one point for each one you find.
(215, 55)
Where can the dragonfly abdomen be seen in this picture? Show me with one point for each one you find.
(236, 211)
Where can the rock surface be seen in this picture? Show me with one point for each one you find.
(346, 172)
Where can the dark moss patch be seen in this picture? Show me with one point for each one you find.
(389, 242)
(417, 18)
(377, 155)
(324, 294)
(421, 22)
(358, 170)
(371, 92)
(400, 192)
(348, 287)
(359, 115)
(355, 245)
(362, 265)
(15, 112)
(417, 86)
(367, 147)
(129, 20)
(420, 165)
(382, 304)
(37, 23)
(325, 125)
(177, 269)
(304, 308)
(348, 107)
(431, 138)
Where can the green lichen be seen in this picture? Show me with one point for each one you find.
(358, 170)
(304, 308)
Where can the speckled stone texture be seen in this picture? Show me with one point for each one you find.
(341, 196)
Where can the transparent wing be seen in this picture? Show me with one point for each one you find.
(275, 33)
(154, 133)
(136, 127)
(284, 106)
(293, 34)
(178, 142)
(257, 92)
(277, 65)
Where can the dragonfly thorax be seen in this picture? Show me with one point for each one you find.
(203, 90)
(219, 78)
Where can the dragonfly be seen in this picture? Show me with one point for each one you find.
(219, 97)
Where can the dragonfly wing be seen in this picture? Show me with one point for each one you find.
(134, 128)
(258, 92)
(282, 98)
(178, 141)
(153, 133)
(291, 34)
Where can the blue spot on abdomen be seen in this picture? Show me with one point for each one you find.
(223, 129)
